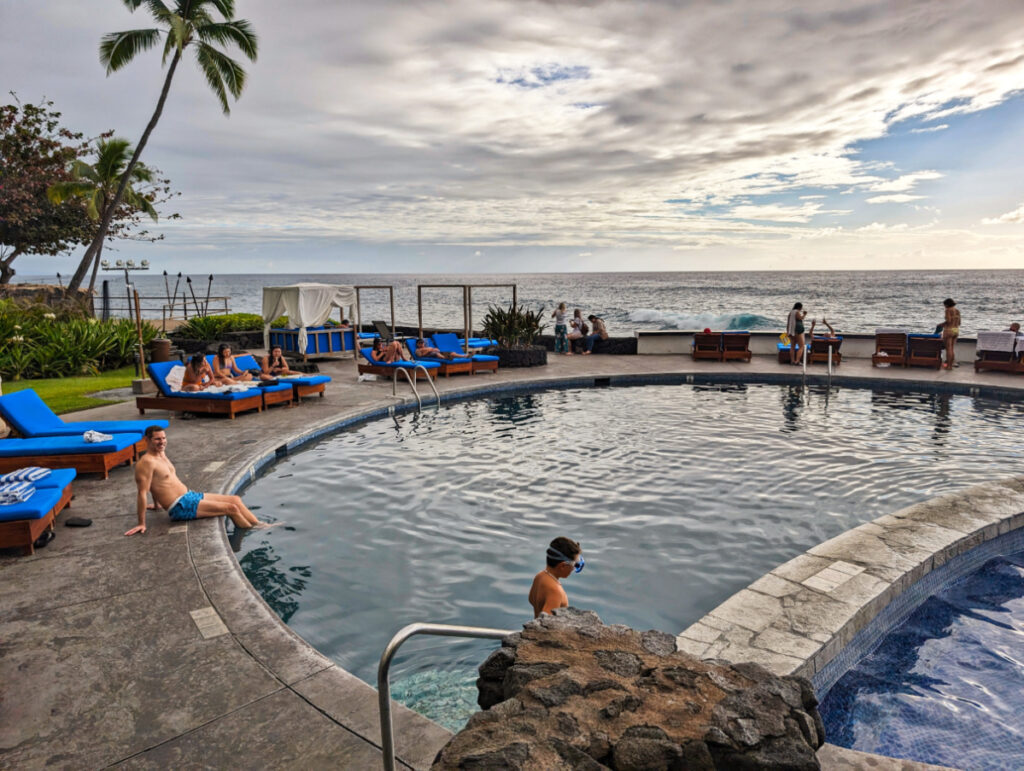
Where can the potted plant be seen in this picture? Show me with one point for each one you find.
(516, 329)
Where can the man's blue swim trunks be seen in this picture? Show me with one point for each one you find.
(185, 507)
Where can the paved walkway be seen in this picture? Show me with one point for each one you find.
(154, 651)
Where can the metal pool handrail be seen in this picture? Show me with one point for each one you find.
(412, 384)
(387, 741)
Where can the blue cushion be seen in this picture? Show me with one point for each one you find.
(485, 357)
(447, 342)
(36, 507)
(784, 347)
(396, 364)
(58, 477)
(368, 335)
(926, 337)
(158, 371)
(63, 445)
(28, 413)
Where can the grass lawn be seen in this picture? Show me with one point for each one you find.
(67, 394)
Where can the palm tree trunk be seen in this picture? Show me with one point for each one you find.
(108, 213)
(95, 267)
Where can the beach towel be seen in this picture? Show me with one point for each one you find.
(996, 341)
(95, 437)
(175, 377)
(26, 474)
(15, 492)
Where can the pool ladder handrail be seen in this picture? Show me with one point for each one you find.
(387, 740)
(412, 383)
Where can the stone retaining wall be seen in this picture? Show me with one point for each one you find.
(28, 295)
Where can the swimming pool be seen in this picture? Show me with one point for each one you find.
(680, 496)
(947, 685)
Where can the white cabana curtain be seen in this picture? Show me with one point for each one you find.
(305, 305)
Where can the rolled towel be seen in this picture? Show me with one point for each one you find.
(15, 492)
(95, 437)
(26, 474)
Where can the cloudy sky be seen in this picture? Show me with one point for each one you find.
(472, 135)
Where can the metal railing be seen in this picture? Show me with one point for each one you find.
(387, 741)
(412, 383)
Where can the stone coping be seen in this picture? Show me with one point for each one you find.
(155, 650)
(802, 616)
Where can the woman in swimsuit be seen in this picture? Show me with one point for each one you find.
(795, 330)
(274, 365)
(951, 331)
(224, 366)
(389, 353)
(198, 375)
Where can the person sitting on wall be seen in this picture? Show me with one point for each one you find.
(225, 368)
(1014, 327)
(424, 351)
(563, 558)
(387, 353)
(198, 375)
(274, 365)
(600, 333)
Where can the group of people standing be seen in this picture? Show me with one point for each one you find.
(574, 332)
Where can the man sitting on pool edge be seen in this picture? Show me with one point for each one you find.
(154, 473)
(563, 558)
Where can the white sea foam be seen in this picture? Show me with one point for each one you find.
(674, 320)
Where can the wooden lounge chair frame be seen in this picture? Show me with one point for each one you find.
(300, 391)
(229, 407)
(707, 346)
(484, 366)
(85, 462)
(925, 351)
(365, 368)
(24, 532)
(276, 397)
(998, 361)
(819, 351)
(894, 347)
(736, 347)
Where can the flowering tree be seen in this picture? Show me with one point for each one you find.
(36, 151)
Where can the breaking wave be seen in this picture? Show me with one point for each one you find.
(672, 320)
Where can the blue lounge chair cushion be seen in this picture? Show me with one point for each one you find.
(368, 335)
(449, 343)
(30, 416)
(926, 336)
(58, 477)
(784, 347)
(249, 362)
(158, 371)
(63, 445)
(397, 364)
(36, 507)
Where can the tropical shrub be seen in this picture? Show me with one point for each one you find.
(513, 327)
(214, 327)
(39, 343)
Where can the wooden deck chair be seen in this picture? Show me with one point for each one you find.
(820, 348)
(707, 346)
(736, 346)
(996, 352)
(890, 348)
(925, 351)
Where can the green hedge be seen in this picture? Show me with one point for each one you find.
(39, 343)
(213, 327)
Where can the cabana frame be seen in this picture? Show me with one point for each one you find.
(360, 288)
(467, 304)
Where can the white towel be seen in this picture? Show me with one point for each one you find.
(95, 437)
(175, 376)
(26, 474)
(16, 492)
(996, 341)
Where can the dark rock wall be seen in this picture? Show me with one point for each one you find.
(28, 295)
(569, 692)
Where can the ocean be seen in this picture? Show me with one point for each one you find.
(853, 301)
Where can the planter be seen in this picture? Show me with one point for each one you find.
(527, 356)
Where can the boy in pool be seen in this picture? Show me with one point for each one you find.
(563, 558)
(155, 473)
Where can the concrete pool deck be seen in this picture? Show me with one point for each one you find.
(154, 651)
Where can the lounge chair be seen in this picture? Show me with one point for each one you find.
(478, 342)
(820, 347)
(448, 367)
(280, 393)
(997, 351)
(229, 404)
(385, 369)
(70, 452)
(783, 352)
(302, 385)
(449, 343)
(925, 351)
(736, 346)
(22, 523)
(890, 348)
(383, 331)
(29, 416)
(707, 345)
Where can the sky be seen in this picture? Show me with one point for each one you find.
(482, 136)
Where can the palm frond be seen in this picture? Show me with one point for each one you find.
(142, 173)
(140, 202)
(118, 48)
(112, 157)
(225, 7)
(59, 192)
(82, 170)
(238, 32)
(157, 9)
(205, 55)
(229, 73)
(178, 31)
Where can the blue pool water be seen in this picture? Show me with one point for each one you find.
(947, 685)
(680, 496)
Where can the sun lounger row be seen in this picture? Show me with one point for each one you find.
(898, 348)
(23, 522)
(721, 346)
(449, 343)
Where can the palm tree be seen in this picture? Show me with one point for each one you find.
(97, 183)
(191, 23)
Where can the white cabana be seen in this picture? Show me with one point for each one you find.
(305, 305)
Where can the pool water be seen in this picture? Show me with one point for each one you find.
(680, 496)
(947, 685)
